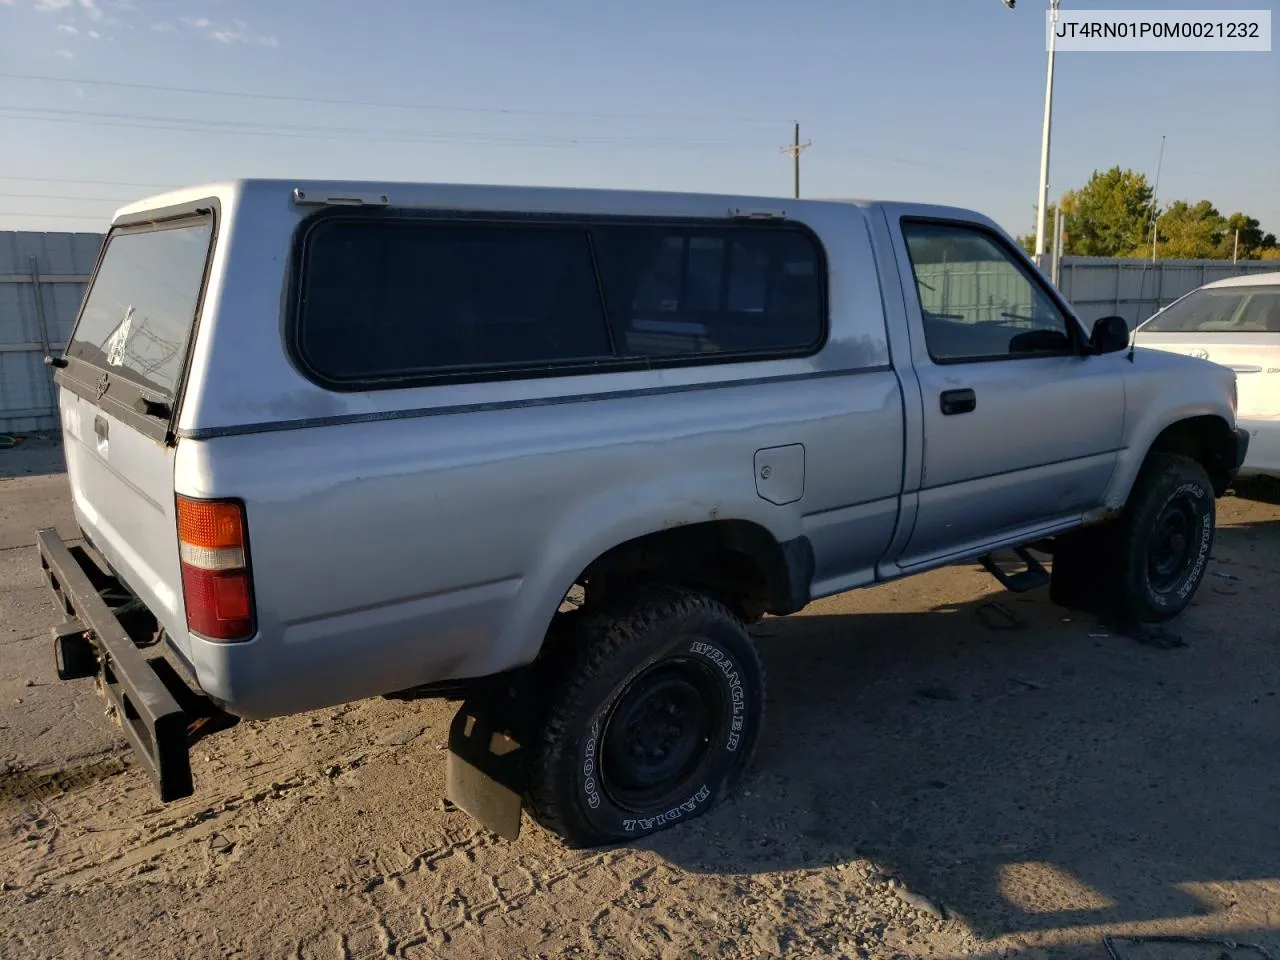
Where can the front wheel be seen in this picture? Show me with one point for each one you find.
(1146, 565)
(1166, 536)
(654, 705)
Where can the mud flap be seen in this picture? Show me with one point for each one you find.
(490, 740)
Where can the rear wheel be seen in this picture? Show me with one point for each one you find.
(654, 704)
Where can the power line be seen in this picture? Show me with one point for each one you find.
(205, 122)
(50, 196)
(96, 183)
(365, 135)
(338, 101)
(51, 216)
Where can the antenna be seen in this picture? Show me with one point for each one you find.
(1155, 221)
(1155, 201)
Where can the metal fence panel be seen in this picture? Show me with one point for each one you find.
(974, 291)
(42, 281)
(1135, 289)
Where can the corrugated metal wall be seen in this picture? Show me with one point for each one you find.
(975, 291)
(1135, 289)
(42, 280)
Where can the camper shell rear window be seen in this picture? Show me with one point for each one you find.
(137, 318)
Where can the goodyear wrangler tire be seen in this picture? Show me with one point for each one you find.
(653, 709)
(1165, 537)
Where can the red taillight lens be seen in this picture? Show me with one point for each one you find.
(215, 569)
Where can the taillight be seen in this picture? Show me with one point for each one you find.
(215, 568)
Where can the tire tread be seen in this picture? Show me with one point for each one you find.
(576, 653)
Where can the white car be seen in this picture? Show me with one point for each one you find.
(1236, 323)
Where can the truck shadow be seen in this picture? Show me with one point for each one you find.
(1029, 772)
(1262, 489)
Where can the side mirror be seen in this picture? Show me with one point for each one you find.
(1110, 335)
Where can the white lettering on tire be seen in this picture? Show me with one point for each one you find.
(736, 695)
(675, 813)
(589, 768)
(1206, 537)
(1188, 584)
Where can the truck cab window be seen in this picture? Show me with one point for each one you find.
(976, 301)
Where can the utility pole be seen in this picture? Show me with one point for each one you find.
(1235, 251)
(1055, 269)
(1042, 214)
(794, 150)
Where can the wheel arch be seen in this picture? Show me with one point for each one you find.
(1204, 435)
(737, 561)
(1207, 439)
(607, 533)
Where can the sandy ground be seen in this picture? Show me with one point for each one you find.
(928, 784)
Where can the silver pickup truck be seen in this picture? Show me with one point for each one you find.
(548, 451)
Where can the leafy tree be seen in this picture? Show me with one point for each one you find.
(1108, 217)
(1253, 242)
(1190, 232)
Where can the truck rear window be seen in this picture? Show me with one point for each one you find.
(407, 299)
(138, 315)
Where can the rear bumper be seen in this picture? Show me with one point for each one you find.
(147, 696)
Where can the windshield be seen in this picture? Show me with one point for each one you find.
(1221, 310)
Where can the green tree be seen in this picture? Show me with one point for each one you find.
(1108, 217)
(1189, 231)
(1253, 242)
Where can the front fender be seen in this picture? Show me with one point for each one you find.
(1165, 389)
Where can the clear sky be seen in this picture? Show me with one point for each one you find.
(935, 100)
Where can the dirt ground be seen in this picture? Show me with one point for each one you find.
(938, 777)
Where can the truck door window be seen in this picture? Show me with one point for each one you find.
(976, 301)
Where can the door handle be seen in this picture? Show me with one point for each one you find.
(958, 401)
(100, 427)
(1244, 368)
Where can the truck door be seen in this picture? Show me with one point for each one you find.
(1022, 427)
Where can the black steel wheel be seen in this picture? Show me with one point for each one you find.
(654, 704)
(1165, 538)
(658, 734)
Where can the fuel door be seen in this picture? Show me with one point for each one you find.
(780, 473)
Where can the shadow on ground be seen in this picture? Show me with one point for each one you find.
(1262, 489)
(1044, 777)
(35, 456)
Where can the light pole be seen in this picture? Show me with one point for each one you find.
(1043, 207)
(1042, 202)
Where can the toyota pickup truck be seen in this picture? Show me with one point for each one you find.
(550, 451)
